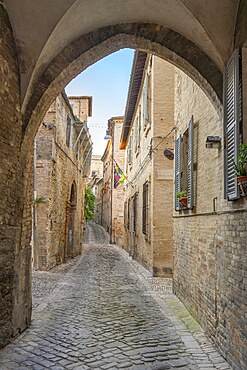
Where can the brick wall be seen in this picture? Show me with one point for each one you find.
(210, 247)
(149, 164)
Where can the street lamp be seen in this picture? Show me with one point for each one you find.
(107, 135)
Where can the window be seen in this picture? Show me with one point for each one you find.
(68, 130)
(137, 131)
(129, 152)
(134, 211)
(146, 96)
(128, 215)
(232, 122)
(145, 208)
(184, 165)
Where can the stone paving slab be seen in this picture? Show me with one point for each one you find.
(107, 312)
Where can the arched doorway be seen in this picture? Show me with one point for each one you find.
(203, 61)
(70, 224)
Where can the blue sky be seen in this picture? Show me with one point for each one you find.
(107, 81)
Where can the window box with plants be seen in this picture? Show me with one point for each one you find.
(241, 169)
(182, 199)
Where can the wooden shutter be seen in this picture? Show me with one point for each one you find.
(178, 146)
(130, 150)
(190, 165)
(231, 124)
(145, 208)
(134, 211)
(144, 104)
(136, 134)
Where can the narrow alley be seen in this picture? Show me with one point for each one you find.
(107, 312)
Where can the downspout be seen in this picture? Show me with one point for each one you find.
(112, 157)
(34, 223)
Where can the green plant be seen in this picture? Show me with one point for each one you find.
(89, 204)
(38, 200)
(241, 166)
(181, 194)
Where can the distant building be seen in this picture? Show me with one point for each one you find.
(82, 106)
(113, 198)
(147, 131)
(63, 149)
(96, 171)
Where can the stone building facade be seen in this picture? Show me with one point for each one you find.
(113, 198)
(210, 236)
(95, 183)
(62, 161)
(98, 213)
(207, 250)
(147, 132)
(81, 106)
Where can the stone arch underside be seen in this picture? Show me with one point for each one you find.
(90, 48)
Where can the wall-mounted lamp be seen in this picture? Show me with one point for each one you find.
(107, 135)
(213, 142)
(168, 154)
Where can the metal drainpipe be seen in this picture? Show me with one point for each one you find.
(111, 233)
(34, 224)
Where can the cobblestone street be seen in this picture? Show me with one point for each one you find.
(106, 312)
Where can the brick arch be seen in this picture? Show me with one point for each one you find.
(90, 48)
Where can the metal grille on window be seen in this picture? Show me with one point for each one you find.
(232, 112)
(145, 208)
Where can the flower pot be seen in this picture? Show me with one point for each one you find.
(184, 202)
(241, 179)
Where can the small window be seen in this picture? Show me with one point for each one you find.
(137, 134)
(146, 102)
(129, 152)
(145, 208)
(68, 131)
(134, 212)
(128, 215)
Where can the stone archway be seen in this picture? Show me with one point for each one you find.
(20, 121)
(70, 222)
(92, 47)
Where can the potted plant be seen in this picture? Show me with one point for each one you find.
(241, 165)
(182, 198)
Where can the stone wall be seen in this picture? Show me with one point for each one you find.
(112, 200)
(57, 169)
(210, 247)
(106, 187)
(15, 226)
(118, 236)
